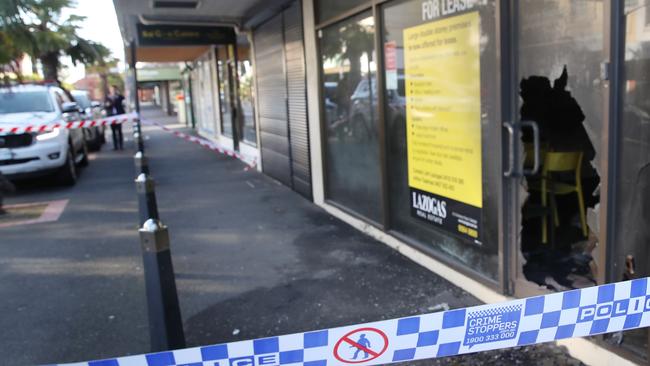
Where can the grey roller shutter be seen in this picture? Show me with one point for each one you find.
(282, 98)
(297, 102)
(271, 95)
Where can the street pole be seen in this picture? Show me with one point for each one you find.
(138, 133)
(165, 322)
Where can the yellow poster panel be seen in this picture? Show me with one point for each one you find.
(443, 100)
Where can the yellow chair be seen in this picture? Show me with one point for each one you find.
(529, 151)
(558, 162)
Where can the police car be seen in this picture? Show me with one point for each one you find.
(59, 151)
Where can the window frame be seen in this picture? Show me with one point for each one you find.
(383, 223)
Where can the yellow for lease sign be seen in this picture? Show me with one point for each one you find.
(443, 101)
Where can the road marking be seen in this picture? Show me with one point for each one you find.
(52, 212)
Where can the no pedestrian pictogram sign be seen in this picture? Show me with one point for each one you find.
(361, 345)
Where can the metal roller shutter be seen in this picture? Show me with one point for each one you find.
(271, 95)
(297, 103)
(282, 98)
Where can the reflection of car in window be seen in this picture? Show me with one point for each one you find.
(331, 108)
(363, 104)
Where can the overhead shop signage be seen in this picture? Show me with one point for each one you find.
(158, 74)
(173, 35)
(443, 123)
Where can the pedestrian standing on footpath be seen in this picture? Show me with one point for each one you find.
(114, 105)
(5, 187)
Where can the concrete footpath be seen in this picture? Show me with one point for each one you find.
(255, 259)
(252, 259)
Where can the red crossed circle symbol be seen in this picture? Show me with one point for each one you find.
(349, 341)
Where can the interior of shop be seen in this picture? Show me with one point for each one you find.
(557, 242)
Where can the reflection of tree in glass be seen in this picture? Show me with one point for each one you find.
(346, 47)
(347, 55)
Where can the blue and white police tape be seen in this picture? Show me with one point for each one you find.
(578, 313)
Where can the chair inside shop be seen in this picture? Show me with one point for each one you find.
(551, 186)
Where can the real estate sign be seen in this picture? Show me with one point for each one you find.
(443, 117)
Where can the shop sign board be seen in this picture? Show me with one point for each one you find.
(180, 35)
(443, 123)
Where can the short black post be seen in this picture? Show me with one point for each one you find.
(141, 163)
(147, 205)
(165, 322)
(137, 135)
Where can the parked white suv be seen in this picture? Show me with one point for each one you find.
(57, 151)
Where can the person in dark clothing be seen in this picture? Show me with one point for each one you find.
(114, 105)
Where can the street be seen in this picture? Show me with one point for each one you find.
(252, 259)
(75, 283)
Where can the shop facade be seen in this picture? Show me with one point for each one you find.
(218, 87)
(506, 140)
(503, 144)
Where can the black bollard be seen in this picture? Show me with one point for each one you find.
(137, 134)
(141, 163)
(147, 205)
(165, 322)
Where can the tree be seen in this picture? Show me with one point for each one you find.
(103, 68)
(37, 27)
(9, 57)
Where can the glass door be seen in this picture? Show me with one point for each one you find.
(631, 166)
(245, 95)
(559, 113)
(224, 55)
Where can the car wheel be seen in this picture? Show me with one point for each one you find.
(67, 175)
(84, 151)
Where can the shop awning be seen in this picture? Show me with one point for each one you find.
(182, 30)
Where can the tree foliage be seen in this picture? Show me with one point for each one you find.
(39, 29)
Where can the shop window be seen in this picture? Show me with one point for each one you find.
(560, 51)
(350, 104)
(206, 110)
(246, 103)
(225, 81)
(632, 232)
(443, 130)
(327, 9)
